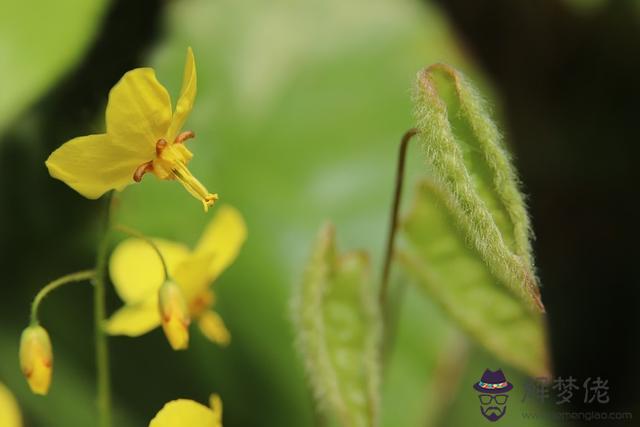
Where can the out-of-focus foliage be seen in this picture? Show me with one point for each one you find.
(587, 6)
(338, 329)
(299, 109)
(38, 43)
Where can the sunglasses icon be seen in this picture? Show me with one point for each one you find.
(500, 399)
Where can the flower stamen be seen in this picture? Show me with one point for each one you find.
(171, 163)
(141, 170)
(182, 137)
(161, 144)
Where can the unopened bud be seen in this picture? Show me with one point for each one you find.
(36, 358)
(175, 315)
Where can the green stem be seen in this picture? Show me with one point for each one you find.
(51, 286)
(395, 209)
(102, 349)
(135, 233)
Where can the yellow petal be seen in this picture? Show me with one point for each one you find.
(136, 270)
(174, 315)
(215, 403)
(138, 112)
(185, 413)
(177, 333)
(9, 411)
(201, 302)
(213, 327)
(36, 358)
(192, 275)
(135, 320)
(187, 97)
(93, 165)
(223, 237)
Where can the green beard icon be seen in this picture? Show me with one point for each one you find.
(493, 407)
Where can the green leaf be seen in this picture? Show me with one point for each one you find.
(38, 43)
(468, 234)
(338, 332)
(425, 366)
(466, 157)
(453, 273)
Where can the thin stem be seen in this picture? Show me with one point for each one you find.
(80, 276)
(395, 208)
(102, 349)
(135, 233)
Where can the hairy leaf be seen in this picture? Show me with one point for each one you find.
(468, 234)
(466, 157)
(457, 278)
(338, 331)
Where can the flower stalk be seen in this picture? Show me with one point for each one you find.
(102, 346)
(395, 209)
(135, 233)
(80, 276)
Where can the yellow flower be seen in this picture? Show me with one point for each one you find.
(9, 411)
(137, 275)
(36, 358)
(142, 136)
(187, 413)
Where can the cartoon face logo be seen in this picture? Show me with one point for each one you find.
(492, 391)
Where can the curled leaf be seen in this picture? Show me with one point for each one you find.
(337, 324)
(467, 158)
(467, 237)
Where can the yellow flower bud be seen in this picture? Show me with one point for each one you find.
(36, 358)
(175, 315)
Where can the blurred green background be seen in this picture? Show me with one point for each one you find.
(299, 111)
